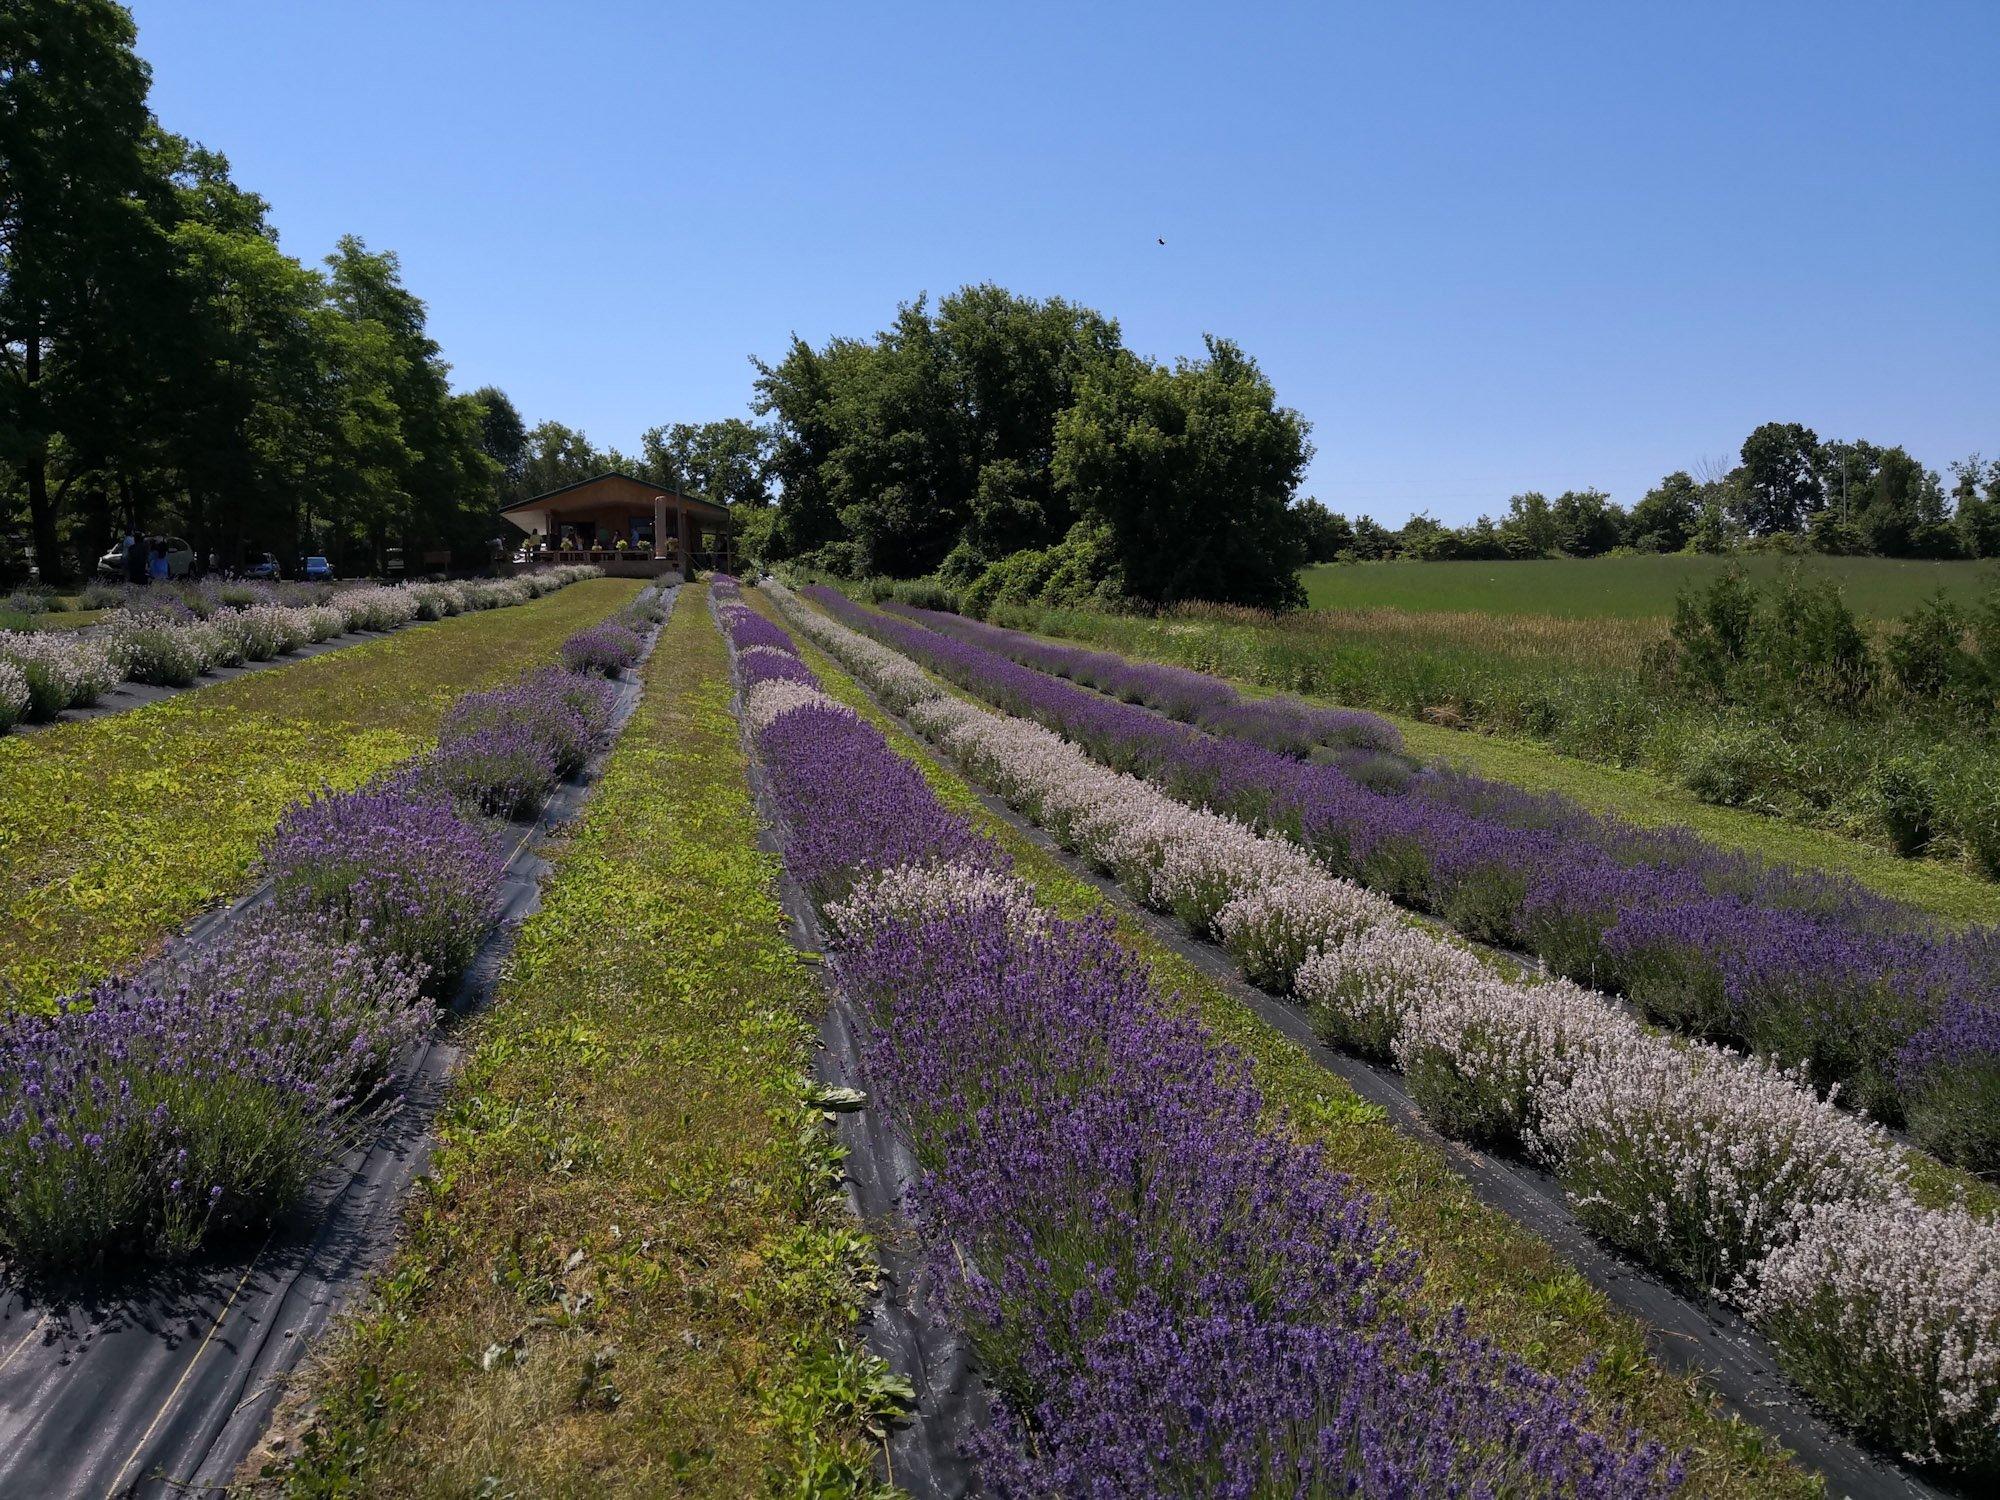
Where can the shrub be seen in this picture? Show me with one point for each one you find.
(321, 622)
(1949, 1074)
(1732, 765)
(1272, 930)
(59, 670)
(13, 695)
(153, 1115)
(502, 769)
(261, 631)
(151, 649)
(1477, 1053)
(602, 648)
(562, 712)
(393, 864)
(375, 607)
(1906, 801)
(1889, 1314)
(1358, 992)
(1700, 1162)
(101, 596)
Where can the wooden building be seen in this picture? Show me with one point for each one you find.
(624, 525)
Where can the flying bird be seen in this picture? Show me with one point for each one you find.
(1162, 242)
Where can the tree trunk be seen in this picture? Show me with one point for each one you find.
(41, 505)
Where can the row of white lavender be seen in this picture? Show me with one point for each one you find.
(1726, 1173)
(44, 672)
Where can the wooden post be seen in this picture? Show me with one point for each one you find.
(659, 527)
(687, 567)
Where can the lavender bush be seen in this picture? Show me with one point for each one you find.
(501, 770)
(1106, 1215)
(14, 695)
(153, 1115)
(156, 649)
(1889, 1313)
(1699, 1162)
(394, 865)
(1728, 947)
(58, 670)
(602, 648)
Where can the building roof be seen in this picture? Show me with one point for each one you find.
(693, 502)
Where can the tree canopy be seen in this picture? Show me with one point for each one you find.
(999, 424)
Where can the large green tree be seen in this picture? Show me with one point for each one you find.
(728, 461)
(1780, 485)
(77, 242)
(1192, 469)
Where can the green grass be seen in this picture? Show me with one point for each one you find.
(1624, 587)
(631, 1201)
(1517, 1289)
(115, 832)
(50, 620)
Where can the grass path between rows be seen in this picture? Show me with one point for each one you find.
(1643, 797)
(115, 832)
(632, 1272)
(1517, 1289)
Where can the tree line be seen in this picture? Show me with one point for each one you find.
(1000, 431)
(165, 367)
(1789, 492)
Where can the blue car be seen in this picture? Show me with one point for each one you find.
(318, 570)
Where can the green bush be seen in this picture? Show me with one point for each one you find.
(1906, 799)
(1733, 766)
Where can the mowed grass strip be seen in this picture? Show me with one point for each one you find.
(1516, 1288)
(115, 832)
(631, 1272)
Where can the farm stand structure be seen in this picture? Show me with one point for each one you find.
(659, 530)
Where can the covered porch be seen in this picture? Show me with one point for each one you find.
(626, 526)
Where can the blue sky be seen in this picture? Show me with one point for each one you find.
(1483, 247)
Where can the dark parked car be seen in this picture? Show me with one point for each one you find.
(266, 566)
(319, 570)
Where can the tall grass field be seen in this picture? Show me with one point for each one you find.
(1632, 588)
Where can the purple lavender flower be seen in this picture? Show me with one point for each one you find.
(607, 648)
(393, 863)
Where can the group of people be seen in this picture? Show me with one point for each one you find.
(146, 560)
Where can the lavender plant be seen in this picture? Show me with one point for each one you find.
(58, 670)
(602, 648)
(394, 865)
(1105, 1212)
(153, 1115)
(1889, 1313)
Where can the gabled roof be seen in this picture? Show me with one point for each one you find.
(658, 489)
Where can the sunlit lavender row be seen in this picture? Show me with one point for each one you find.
(1724, 1173)
(1901, 1012)
(1167, 1295)
(174, 638)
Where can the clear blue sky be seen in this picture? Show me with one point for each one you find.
(1484, 247)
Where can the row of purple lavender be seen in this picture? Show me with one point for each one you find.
(1899, 1012)
(1723, 1172)
(1167, 1293)
(164, 1111)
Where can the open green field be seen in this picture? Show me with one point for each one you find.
(1634, 588)
(115, 832)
